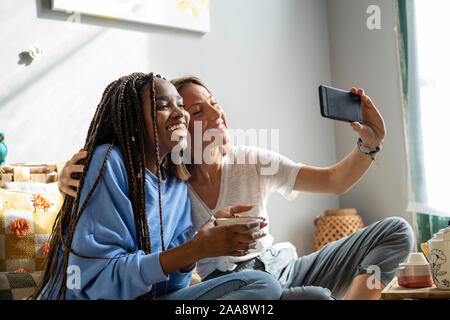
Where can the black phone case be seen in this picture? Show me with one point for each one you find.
(340, 105)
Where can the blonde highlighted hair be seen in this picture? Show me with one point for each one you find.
(179, 83)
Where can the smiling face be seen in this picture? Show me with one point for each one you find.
(204, 109)
(171, 118)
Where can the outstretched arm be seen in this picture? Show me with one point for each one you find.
(345, 174)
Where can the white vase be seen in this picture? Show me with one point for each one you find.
(439, 253)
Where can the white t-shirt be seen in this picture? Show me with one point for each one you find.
(249, 175)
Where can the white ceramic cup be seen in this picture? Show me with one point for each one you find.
(415, 272)
(225, 221)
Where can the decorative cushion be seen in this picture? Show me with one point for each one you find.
(18, 285)
(26, 221)
(37, 187)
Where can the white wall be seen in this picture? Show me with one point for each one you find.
(264, 59)
(368, 59)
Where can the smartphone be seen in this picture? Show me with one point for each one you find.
(340, 105)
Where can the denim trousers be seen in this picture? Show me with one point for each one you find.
(328, 273)
(246, 285)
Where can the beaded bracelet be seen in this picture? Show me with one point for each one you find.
(367, 150)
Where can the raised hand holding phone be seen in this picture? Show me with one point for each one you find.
(356, 107)
(372, 130)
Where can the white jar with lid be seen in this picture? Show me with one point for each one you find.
(415, 272)
(439, 253)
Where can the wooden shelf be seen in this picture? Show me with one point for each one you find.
(395, 292)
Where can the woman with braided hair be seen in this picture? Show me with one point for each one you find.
(341, 269)
(128, 232)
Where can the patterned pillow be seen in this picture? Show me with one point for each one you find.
(26, 221)
(36, 187)
(18, 285)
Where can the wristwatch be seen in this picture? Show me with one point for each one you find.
(367, 150)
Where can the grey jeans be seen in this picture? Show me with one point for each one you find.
(328, 273)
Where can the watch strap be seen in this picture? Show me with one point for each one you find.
(367, 150)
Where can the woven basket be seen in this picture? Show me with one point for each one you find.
(335, 225)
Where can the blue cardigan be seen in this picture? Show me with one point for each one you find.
(106, 229)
